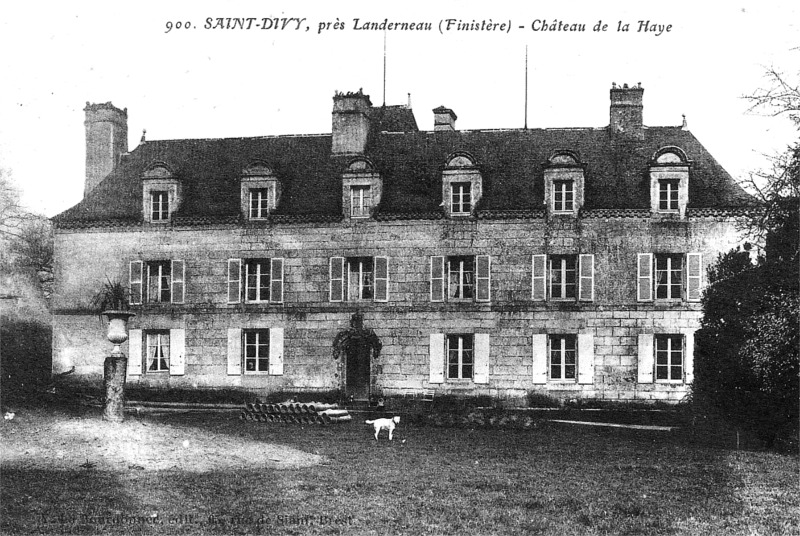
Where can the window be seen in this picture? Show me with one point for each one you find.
(562, 277)
(664, 276)
(360, 201)
(563, 357)
(563, 196)
(255, 280)
(157, 281)
(461, 278)
(157, 351)
(159, 205)
(669, 358)
(359, 279)
(360, 282)
(669, 271)
(261, 202)
(459, 357)
(668, 194)
(256, 351)
(460, 198)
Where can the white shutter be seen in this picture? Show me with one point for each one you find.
(178, 281)
(436, 358)
(135, 282)
(644, 272)
(276, 280)
(437, 278)
(177, 352)
(276, 351)
(483, 278)
(234, 280)
(694, 276)
(586, 358)
(381, 279)
(688, 356)
(234, 352)
(539, 278)
(646, 358)
(481, 370)
(586, 278)
(539, 358)
(135, 352)
(336, 281)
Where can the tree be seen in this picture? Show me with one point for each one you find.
(747, 351)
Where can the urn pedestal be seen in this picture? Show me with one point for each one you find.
(115, 366)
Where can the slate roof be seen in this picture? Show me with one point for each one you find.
(410, 162)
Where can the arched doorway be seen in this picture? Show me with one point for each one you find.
(358, 346)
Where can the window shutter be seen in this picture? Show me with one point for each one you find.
(178, 281)
(481, 371)
(694, 271)
(234, 280)
(135, 352)
(644, 269)
(437, 278)
(276, 351)
(135, 282)
(646, 358)
(586, 358)
(276, 280)
(234, 352)
(436, 358)
(688, 356)
(539, 358)
(586, 279)
(177, 352)
(336, 290)
(483, 277)
(381, 279)
(539, 281)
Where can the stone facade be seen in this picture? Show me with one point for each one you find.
(510, 338)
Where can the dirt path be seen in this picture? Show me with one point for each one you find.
(41, 440)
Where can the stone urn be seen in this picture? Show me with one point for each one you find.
(115, 366)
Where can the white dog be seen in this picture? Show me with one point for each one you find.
(385, 424)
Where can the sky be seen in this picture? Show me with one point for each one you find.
(211, 82)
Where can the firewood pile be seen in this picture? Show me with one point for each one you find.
(295, 413)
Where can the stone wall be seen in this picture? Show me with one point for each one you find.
(87, 257)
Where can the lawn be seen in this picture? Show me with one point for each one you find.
(210, 473)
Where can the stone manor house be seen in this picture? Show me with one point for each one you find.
(564, 261)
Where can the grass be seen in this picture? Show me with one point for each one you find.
(554, 479)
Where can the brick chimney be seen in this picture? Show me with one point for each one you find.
(626, 109)
(444, 119)
(350, 122)
(106, 140)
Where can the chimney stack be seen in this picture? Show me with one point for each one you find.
(626, 109)
(444, 119)
(106, 141)
(350, 122)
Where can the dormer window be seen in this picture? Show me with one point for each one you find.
(563, 183)
(260, 191)
(462, 185)
(161, 193)
(460, 198)
(159, 205)
(360, 201)
(361, 189)
(669, 182)
(261, 202)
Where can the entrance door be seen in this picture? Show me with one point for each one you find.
(358, 370)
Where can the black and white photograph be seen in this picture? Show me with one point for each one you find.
(413, 268)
